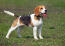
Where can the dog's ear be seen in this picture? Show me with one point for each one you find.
(36, 11)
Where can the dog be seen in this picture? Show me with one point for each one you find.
(34, 20)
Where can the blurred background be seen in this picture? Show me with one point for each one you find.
(53, 29)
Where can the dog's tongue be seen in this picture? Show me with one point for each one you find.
(44, 15)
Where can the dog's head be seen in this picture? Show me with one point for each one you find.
(40, 10)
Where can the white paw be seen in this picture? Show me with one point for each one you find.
(41, 37)
(7, 37)
(36, 38)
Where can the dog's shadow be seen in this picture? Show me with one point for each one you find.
(38, 37)
(28, 37)
(46, 37)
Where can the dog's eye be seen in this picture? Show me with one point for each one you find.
(41, 8)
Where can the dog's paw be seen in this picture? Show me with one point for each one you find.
(36, 38)
(7, 37)
(41, 37)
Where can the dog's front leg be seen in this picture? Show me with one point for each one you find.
(35, 33)
(39, 31)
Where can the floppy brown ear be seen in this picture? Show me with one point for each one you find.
(36, 11)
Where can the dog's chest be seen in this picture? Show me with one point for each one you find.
(36, 22)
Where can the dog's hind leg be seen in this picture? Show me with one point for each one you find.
(18, 32)
(10, 30)
(13, 27)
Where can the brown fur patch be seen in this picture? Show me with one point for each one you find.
(21, 22)
(15, 22)
(32, 24)
(35, 18)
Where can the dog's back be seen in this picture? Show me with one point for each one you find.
(26, 20)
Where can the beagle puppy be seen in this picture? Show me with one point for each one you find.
(34, 20)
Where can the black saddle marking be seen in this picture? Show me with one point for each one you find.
(26, 20)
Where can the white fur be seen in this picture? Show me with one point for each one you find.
(35, 33)
(39, 31)
(10, 30)
(43, 10)
(36, 22)
(9, 13)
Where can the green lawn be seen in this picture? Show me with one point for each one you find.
(53, 27)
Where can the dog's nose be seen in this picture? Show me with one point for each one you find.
(45, 10)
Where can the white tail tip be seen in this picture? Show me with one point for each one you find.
(9, 13)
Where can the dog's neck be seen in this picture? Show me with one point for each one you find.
(38, 17)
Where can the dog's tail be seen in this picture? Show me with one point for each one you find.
(10, 13)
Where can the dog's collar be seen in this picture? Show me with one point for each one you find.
(39, 16)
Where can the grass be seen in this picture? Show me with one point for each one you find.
(53, 29)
